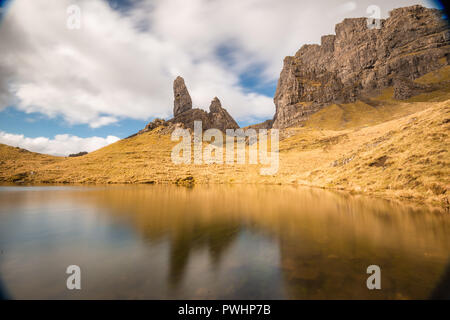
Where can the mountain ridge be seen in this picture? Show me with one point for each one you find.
(393, 144)
(359, 61)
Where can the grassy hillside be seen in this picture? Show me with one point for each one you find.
(382, 107)
(380, 146)
(17, 165)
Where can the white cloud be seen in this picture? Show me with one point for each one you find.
(60, 145)
(102, 121)
(121, 65)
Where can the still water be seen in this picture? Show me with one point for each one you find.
(217, 242)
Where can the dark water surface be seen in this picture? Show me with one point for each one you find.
(224, 242)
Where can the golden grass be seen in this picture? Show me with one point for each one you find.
(382, 107)
(393, 150)
(357, 114)
(402, 158)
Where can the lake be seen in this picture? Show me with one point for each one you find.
(217, 242)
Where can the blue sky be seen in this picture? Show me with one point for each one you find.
(115, 73)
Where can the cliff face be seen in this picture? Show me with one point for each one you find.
(358, 61)
(185, 115)
(182, 99)
(217, 117)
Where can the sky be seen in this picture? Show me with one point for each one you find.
(74, 81)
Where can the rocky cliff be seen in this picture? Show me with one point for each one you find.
(359, 61)
(217, 117)
(185, 115)
(182, 99)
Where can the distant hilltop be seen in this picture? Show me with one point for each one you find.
(359, 61)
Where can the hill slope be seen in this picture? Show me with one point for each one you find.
(404, 154)
(375, 144)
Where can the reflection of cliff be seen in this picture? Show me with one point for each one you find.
(322, 271)
(326, 240)
(442, 290)
(167, 216)
(3, 294)
(215, 238)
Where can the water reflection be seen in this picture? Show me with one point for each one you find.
(214, 238)
(218, 242)
(442, 290)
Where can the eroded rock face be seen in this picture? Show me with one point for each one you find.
(182, 99)
(219, 117)
(187, 118)
(405, 88)
(185, 115)
(359, 61)
(263, 125)
(153, 125)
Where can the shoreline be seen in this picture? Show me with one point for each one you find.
(424, 203)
